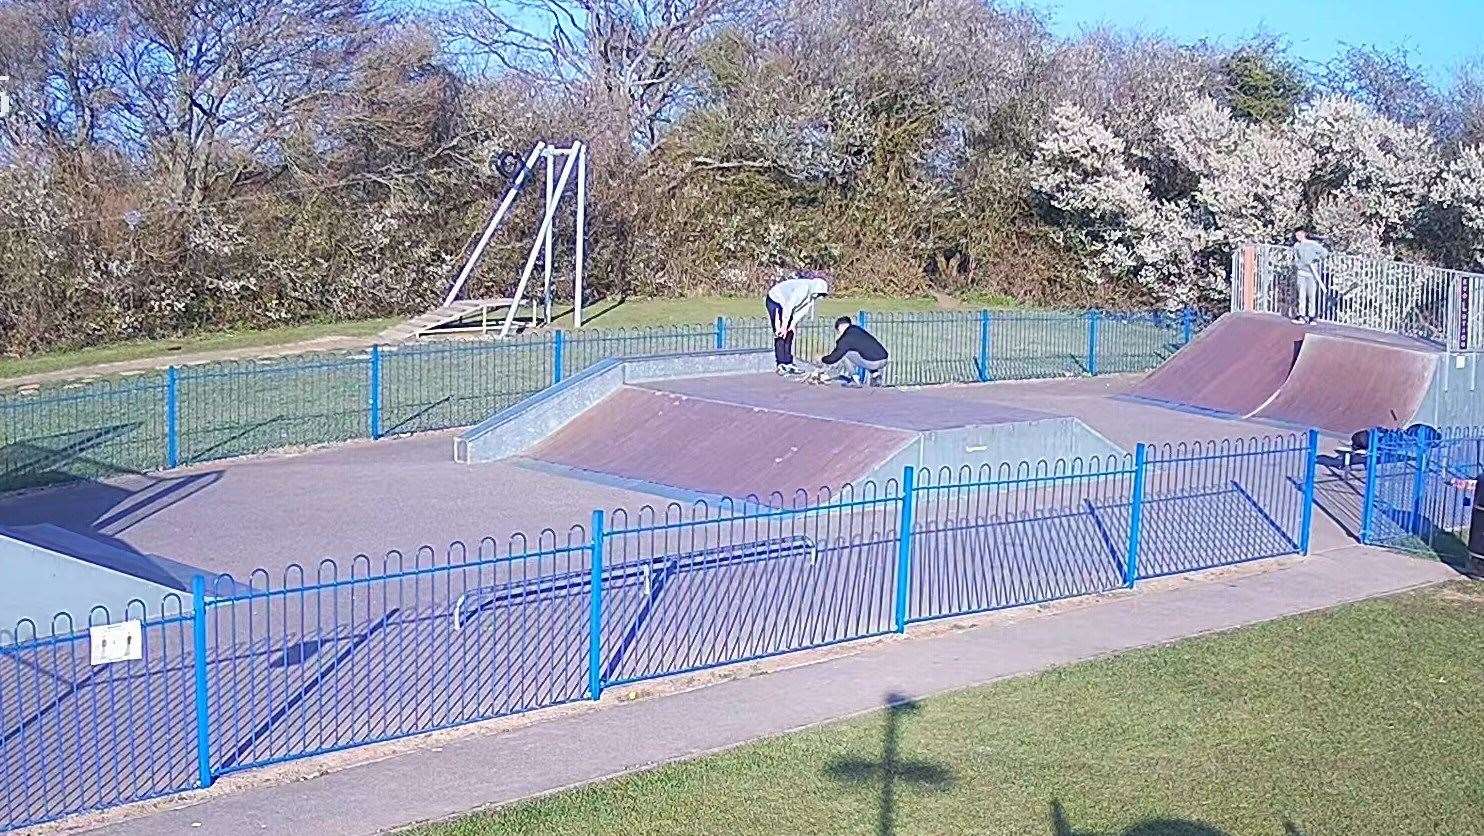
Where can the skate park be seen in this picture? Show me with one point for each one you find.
(878, 417)
(700, 511)
(598, 440)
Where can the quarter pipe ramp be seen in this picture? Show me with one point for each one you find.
(1231, 369)
(1263, 367)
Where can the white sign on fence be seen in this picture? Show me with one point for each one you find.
(122, 642)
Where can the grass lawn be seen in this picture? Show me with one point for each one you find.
(638, 312)
(1365, 719)
(599, 314)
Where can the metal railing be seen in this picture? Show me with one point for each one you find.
(305, 661)
(191, 414)
(1431, 303)
(1419, 489)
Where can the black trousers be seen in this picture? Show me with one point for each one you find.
(783, 348)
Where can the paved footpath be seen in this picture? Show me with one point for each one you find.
(453, 776)
(156, 362)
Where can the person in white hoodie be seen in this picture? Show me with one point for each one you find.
(788, 302)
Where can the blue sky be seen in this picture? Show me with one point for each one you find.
(1439, 33)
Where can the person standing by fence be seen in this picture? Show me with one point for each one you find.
(1308, 260)
(788, 302)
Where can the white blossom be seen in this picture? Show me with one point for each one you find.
(1168, 218)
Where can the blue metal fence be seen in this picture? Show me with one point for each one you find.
(312, 660)
(1419, 488)
(75, 736)
(189, 414)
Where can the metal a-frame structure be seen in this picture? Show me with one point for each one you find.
(500, 315)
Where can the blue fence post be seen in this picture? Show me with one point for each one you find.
(203, 714)
(1419, 484)
(984, 346)
(904, 547)
(374, 408)
(595, 610)
(1094, 324)
(1372, 475)
(863, 318)
(558, 356)
(1136, 516)
(721, 333)
(1187, 325)
(1311, 472)
(172, 417)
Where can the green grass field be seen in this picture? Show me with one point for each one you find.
(631, 313)
(603, 313)
(1361, 720)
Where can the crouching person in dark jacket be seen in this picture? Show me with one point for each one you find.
(856, 353)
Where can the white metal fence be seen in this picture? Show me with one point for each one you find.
(1443, 306)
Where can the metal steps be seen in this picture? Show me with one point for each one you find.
(465, 316)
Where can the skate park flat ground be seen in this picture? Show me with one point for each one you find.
(402, 493)
(1099, 403)
(924, 408)
(336, 502)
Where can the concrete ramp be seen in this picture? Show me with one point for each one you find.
(515, 429)
(742, 435)
(710, 447)
(1231, 369)
(50, 570)
(1342, 385)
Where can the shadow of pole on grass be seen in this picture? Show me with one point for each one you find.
(891, 769)
(1060, 826)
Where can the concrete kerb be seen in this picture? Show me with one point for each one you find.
(517, 428)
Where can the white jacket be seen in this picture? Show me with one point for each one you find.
(796, 297)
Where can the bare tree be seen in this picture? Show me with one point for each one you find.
(1466, 102)
(638, 57)
(1386, 81)
(58, 53)
(212, 85)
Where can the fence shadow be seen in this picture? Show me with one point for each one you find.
(63, 457)
(892, 770)
(99, 512)
(1343, 501)
(1060, 826)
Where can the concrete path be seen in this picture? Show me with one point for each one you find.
(444, 777)
(121, 368)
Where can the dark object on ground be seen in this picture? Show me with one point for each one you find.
(508, 164)
(1423, 432)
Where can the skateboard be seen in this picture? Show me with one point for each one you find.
(819, 377)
